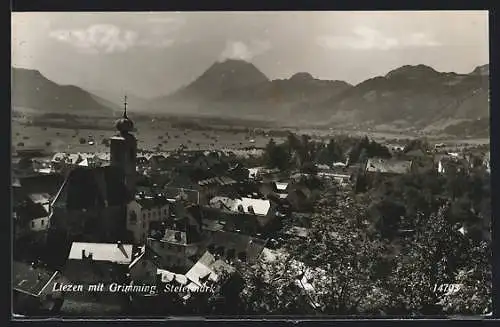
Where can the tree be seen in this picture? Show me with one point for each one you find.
(434, 256)
(276, 156)
(340, 259)
(475, 294)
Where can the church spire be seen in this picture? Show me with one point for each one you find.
(125, 106)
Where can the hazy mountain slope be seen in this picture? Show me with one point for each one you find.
(135, 103)
(236, 87)
(417, 94)
(30, 89)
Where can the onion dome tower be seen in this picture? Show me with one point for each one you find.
(123, 150)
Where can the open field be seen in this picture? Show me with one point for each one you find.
(152, 133)
(148, 135)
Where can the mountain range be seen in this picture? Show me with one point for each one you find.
(33, 91)
(407, 96)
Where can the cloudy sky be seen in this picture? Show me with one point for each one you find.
(152, 54)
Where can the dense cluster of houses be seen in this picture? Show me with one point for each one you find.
(186, 233)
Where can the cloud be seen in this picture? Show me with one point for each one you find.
(243, 51)
(97, 38)
(107, 38)
(365, 38)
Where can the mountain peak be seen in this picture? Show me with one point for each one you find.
(226, 75)
(483, 70)
(412, 71)
(302, 76)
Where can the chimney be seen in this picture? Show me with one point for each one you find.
(90, 256)
(83, 254)
(240, 208)
(118, 244)
(250, 209)
(177, 236)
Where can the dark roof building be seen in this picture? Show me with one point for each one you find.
(30, 279)
(87, 188)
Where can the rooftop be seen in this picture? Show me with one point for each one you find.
(29, 279)
(149, 202)
(111, 252)
(223, 180)
(207, 267)
(389, 166)
(246, 205)
(93, 187)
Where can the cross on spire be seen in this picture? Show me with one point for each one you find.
(125, 106)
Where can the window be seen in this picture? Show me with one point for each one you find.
(32, 224)
(43, 222)
(144, 215)
(149, 214)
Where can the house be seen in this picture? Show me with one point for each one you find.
(143, 269)
(32, 286)
(208, 161)
(258, 212)
(29, 218)
(93, 263)
(90, 263)
(91, 205)
(177, 241)
(282, 187)
(257, 207)
(30, 214)
(206, 276)
(47, 184)
(214, 186)
(446, 163)
(142, 211)
(388, 167)
(253, 173)
(231, 246)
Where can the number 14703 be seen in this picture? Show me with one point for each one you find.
(447, 288)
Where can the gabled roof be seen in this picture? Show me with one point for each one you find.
(40, 184)
(30, 279)
(147, 254)
(389, 166)
(31, 211)
(150, 202)
(87, 188)
(239, 242)
(260, 207)
(110, 252)
(207, 268)
(39, 197)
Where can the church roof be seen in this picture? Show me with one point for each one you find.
(87, 188)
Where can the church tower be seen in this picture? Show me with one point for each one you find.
(123, 149)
